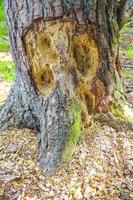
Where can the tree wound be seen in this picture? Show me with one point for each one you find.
(41, 55)
(54, 48)
(86, 54)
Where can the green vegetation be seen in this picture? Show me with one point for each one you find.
(7, 70)
(4, 45)
(119, 191)
(125, 27)
(2, 11)
(127, 73)
(130, 51)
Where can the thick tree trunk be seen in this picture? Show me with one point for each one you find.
(67, 68)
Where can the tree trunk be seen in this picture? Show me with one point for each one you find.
(67, 68)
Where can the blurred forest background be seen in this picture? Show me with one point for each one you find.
(6, 64)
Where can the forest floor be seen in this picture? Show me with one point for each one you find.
(101, 168)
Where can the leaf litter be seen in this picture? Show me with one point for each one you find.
(101, 168)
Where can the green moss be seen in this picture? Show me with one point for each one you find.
(117, 111)
(124, 20)
(120, 112)
(74, 131)
(125, 27)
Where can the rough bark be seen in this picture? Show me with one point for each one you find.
(67, 68)
(124, 12)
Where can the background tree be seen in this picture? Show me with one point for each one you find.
(67, 68)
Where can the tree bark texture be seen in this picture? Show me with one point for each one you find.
(67, 68)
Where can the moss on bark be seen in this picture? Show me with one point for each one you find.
(74, 131)
(125, 112)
